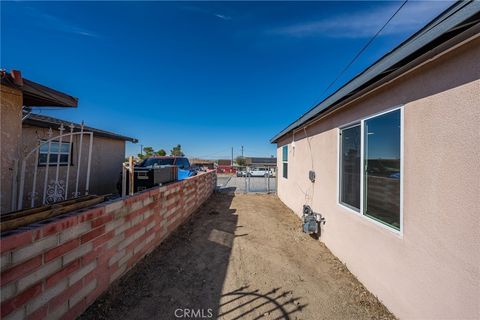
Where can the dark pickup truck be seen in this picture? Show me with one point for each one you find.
(151, 172)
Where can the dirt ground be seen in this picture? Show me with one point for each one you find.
(241, 256)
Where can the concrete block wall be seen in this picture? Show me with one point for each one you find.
(57, 268)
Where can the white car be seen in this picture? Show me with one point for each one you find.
(260, 172)
(241, 173)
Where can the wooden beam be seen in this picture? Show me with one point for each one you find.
(26, 212)
(52, 212)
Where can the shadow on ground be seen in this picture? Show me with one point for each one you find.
(241, 256)
(253, 304)
(186, 272)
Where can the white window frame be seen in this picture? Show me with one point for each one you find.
(54, 163)
(283, 162)
(360, 213)
(346, 205)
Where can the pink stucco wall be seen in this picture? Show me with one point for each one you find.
(431, 270)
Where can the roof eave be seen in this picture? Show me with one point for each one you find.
(37, 95)
(452, 17)
(98, 133)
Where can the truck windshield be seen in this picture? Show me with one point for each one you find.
(154, 162)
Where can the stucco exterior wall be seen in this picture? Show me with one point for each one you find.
(10, 139)
(106, 164)
(431, 270)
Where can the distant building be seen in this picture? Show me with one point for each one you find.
(269, 162)
(225, 166)
(209, 164)
(224, 162)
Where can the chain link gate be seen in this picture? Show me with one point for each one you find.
(260, 180)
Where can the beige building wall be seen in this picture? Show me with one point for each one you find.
(17, 140)
(106, 164)
(10, 139)
(431, 270)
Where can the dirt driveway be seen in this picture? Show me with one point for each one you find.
(239, 257)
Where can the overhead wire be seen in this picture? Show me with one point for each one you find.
(357, 55)
(364, 48)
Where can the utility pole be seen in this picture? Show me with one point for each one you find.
(242, 151)
(141, 150)
(232, 156)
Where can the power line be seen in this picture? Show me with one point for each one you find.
(364, 48)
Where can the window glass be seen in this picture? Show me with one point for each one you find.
(65, 147)
(54, 151)
(350, 166)
(285, 161)
(382, 168)
(179, 162)
(53, 147)
(182, 163)
(156, 162)
(44, 147)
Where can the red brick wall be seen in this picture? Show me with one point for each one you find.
(58, 268)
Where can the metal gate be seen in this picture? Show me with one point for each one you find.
(249, 180)
(49, 177)
(258, 182)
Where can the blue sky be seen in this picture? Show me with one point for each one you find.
(207, 75)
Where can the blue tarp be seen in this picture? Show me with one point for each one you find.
(184, 174)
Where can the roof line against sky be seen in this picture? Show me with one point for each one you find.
(451, 17)
(364, 48)
(36, 94)
(47, 122)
